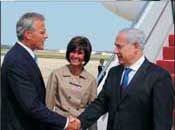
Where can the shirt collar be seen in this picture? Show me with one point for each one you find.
(26, 48)
(137, 64)
(67, 73)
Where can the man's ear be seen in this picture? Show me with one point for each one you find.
(137, 45)
(28, 34)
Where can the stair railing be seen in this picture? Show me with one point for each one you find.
(105, 68)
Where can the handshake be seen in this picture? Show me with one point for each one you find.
(74, 123)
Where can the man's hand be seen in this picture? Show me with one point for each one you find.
(74, 123)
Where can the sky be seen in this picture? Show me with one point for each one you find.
(64, 20)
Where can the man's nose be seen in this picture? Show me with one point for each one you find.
(116, 51)
(46, 36)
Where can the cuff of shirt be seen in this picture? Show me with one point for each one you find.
(67, 123)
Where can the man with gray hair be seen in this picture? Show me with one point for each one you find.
(137, 94)
(23, 89)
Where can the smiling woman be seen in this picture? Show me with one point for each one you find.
(70, 88)
(81, 46)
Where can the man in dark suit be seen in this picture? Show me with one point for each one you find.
(137, 94)
(22, 88)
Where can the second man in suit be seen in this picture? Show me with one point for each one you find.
(137, 93)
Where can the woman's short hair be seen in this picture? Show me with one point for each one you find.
(81, 43)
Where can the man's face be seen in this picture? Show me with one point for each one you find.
(39, 35)
(124, 51)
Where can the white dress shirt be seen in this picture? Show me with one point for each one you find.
(134, 68)
(27, 49)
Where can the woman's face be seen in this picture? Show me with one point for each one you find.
(76, 57)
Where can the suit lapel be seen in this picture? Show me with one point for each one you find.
(116, 85)
(137, 80)
(35, 69)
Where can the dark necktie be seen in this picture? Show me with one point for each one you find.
(125, 78)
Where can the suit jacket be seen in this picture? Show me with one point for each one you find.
(23, 95)
(146, 104)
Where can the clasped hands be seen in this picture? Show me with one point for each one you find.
(74, 123)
